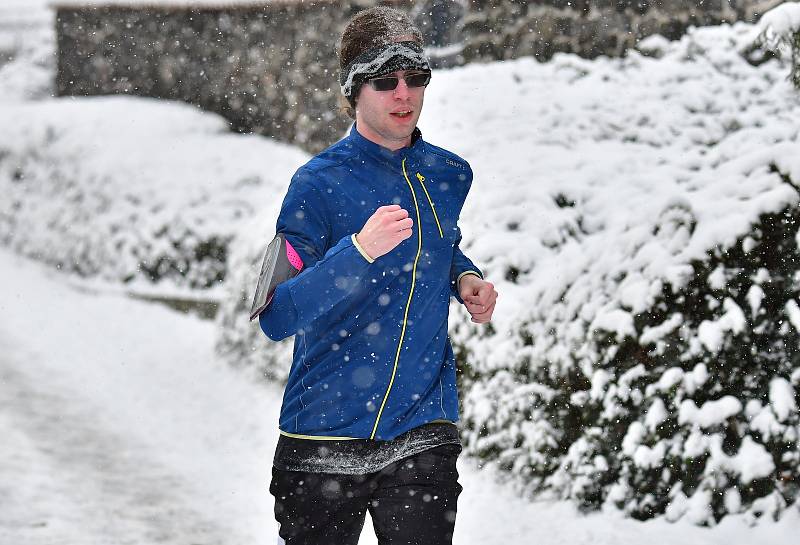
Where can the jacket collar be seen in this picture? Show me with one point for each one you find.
(385, 155)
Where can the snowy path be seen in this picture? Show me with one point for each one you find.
(100, 482)
(118, 426)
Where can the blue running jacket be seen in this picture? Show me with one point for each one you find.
(372, 358)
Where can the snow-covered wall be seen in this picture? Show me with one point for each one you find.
(268, 68)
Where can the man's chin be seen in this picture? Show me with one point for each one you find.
(401, 129)
(401, 134)
(403, 125)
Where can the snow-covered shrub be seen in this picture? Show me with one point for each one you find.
(132, 190)
(701, 397)
(601, 221)
(688, 410)
(241, 342)
(780, 33)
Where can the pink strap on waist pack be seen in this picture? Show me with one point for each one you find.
(294, 257)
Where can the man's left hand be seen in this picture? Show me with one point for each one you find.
(479, 297)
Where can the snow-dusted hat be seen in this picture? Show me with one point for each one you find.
(378, 41)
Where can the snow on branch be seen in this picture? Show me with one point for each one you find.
(780, 33)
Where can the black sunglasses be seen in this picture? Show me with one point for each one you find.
(389, 83)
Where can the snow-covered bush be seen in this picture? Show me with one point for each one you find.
(615, 373)
(241, 342)
(780, 33)
(692, 410)
(132, 190)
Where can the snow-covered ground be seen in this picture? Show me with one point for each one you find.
(119, 425)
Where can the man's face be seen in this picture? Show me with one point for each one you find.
(389, 117)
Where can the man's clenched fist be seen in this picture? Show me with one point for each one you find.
(385, 229)
(479, 297)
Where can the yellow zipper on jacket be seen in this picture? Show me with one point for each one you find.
(421, 179)
(408, 303)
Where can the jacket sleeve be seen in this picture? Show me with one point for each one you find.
(461, 265)
(331, 269)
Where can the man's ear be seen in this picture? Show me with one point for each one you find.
(345, 107)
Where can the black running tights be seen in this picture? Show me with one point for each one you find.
(411, 502)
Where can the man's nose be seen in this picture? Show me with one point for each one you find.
(401, 91)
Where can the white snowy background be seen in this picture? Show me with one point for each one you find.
(119, 421)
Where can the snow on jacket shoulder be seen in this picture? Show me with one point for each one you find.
(372, 358)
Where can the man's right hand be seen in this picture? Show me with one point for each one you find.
(384, 230)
